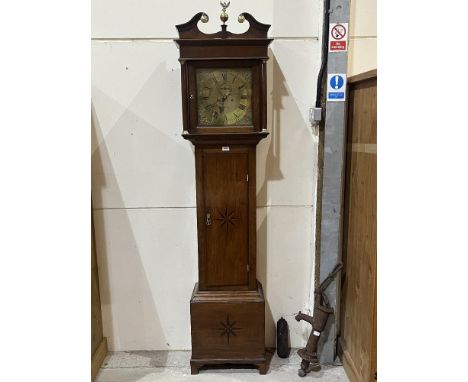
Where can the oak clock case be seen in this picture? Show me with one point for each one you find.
(223, 78)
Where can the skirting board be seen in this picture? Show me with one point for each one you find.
(98, 358)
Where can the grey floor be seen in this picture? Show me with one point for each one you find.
(149, 366)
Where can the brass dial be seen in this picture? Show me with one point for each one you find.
(224, 97)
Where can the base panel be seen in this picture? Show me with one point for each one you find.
(228, 327)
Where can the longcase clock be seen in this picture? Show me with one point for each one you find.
(224, 117)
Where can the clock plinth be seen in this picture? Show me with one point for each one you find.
(228, 327)
(224, 116)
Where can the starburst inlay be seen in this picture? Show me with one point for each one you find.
(227, 218)
(228, 328)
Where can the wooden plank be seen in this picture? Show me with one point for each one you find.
(362, 76)
(98, 341)
(98, 357)
(373, 361)
(348, 363)
(363, 112)
(360, 270)
(369, 148)
(96, 317)
(358, 300)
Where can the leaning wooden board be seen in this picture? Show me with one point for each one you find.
(358, 321)
(98, 341)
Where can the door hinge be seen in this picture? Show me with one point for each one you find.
(247, 177)
(248, 268)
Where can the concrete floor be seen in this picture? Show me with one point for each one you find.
(173, 366)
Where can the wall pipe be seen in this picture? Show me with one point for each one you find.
(325, 29)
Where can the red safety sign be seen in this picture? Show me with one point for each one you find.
(338, 37)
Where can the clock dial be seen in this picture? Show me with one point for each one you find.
(224, 97)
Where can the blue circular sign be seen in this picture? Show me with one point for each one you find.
(336, 82)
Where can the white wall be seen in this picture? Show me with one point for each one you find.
(143, 171)
(363, 37)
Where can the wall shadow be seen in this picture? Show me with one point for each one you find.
(273, 172)
(282, 126)
(135, 282)
(141, 136)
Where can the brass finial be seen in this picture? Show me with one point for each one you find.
(241, 18)
(204, 18)
(224, 16)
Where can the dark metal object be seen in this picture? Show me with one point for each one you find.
(322, 311)
(282, 338)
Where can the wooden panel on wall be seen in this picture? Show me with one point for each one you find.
(358, 335)
(96, 320)
(98, 341)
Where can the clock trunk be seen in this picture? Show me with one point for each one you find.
(225, 182)
(226, 216)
